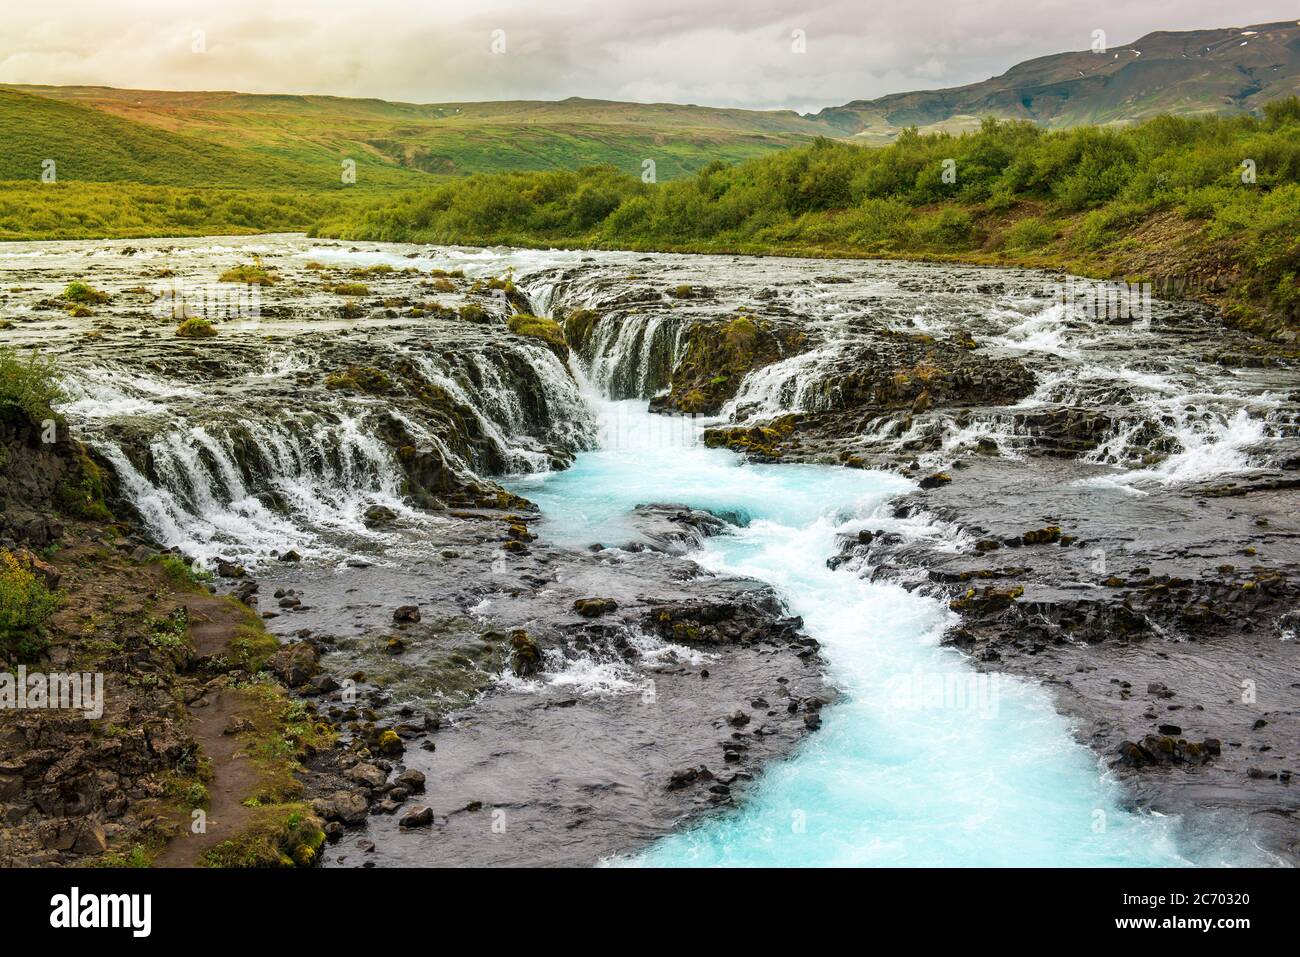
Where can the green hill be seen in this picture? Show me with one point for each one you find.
(89, 145)
(391, 141)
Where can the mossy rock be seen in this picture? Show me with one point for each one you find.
(362, 379)
(718, 355)
(547, 330)
(525, 654)
(85, 294)
(578, 325)
(196, 328)
(250, 274)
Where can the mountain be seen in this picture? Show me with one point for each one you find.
(1231, 70)
(392, 143)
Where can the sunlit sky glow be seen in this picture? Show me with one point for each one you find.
(684, 51)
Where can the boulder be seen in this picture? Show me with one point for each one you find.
(419, 816)
(594, 607)
(295, 664)
(410, 779)
(367, 774)
(525, 654)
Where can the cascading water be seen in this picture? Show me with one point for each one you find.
(239, 451)
(925, 761)
(633, 356)
(237, 470)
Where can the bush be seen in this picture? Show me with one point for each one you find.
(81, 292)
(250, 274)
(948, 230)
(29, 384)
(1029, 234)
(26, 604)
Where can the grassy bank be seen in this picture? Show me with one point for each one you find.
(38, 211)
(1209, 204)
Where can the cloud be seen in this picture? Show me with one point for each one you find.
(713, 52)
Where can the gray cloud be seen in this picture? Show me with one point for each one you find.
(686, 51)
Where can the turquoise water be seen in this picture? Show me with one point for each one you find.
(922, 761)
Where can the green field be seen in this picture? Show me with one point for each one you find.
(140, 163)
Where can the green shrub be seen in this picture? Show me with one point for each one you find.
(79, 291)
(26, 604)
(30, 384)
(1029, 234)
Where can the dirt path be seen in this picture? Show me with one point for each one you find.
(214, 623)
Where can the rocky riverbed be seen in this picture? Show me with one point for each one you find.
(1108, 502)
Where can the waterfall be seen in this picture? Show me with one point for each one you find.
(632, 356)
(257, 489)
(241, 469)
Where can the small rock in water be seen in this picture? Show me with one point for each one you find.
(407, 614)
(420, 815)
(594, 607)
(410, 779)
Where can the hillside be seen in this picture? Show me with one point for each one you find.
(390, 141)
(90, 145)
(1232, 70)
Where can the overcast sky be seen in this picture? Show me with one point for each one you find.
(733, 53)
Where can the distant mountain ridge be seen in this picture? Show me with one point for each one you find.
(1227, 70)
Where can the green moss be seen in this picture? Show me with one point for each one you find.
(179, 572)
(138, 855)
(252, 647)
(250, 274)
(287, 835)
(350, 289)
(536, 327)
(578, 325)
(196, 328)
(81, 292)
(363, 379)
(82, 495)
(473, 312)
(717, 357)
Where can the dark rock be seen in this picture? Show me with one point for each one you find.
(407, 614)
